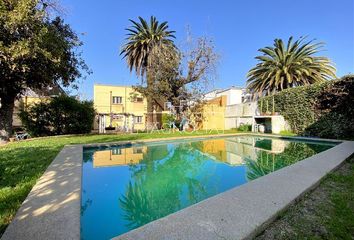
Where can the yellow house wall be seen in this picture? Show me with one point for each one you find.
(24, 102)
(126, 156)
(216, 148)
(103, 103)
(214, 114)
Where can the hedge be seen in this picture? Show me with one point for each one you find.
(335, 110)
(61, 115)
(295, 104)
(306, 116)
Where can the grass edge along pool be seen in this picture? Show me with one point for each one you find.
(129, 185)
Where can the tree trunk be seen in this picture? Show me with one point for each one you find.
(6, 113)
(150, 114)
(150, 104)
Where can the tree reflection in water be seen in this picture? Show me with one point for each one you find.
(163, 183)
(268, 162)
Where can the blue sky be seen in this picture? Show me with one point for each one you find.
(238, 28)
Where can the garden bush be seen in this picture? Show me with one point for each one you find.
(245, 128)
(167, 119)
(60, 115)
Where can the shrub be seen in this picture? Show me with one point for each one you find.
(245, 128)
(60, 115)
(167, 119)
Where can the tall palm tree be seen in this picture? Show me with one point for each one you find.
(142, 40)
(282, 67)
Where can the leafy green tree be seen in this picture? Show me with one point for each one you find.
(36, 51)
(284, 66)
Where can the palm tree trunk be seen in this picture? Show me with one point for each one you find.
(150, 105)
(6, 113)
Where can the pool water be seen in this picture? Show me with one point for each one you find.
(124, 187)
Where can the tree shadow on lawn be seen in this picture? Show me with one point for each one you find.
(55, 191)
(19, 170)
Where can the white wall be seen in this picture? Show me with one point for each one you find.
(238, 114)
(234, 96)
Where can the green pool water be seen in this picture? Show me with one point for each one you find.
(124, 187)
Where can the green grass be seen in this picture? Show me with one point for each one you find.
(325, 213)
(287, 133)
(22, 163)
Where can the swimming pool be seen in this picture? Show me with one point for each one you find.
(127, 186)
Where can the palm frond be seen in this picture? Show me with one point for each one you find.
(283, 66)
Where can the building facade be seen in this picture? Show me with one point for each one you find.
(237, 108)
(119, 108)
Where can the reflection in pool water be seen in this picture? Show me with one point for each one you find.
(126, 187)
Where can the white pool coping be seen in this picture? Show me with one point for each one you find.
(52, 208)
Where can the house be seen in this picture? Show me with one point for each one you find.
(237, 109)
(119, 108)
(32, 96)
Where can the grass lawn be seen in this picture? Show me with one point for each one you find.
(325, 213)
(22, 163)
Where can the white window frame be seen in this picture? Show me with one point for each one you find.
(116, 98)
(138, 117)
(116, 151)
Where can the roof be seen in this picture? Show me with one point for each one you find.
(53, 90)
(219, 90)
(112, 85)
(233, 88)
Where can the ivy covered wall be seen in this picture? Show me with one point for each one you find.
(304, 110)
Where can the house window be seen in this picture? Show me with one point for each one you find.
(137, 99)
(116, 151)
(117, 117)
(138, 119)
(137, 150)
(117, 100)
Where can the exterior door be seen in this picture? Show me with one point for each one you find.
(102, 124)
